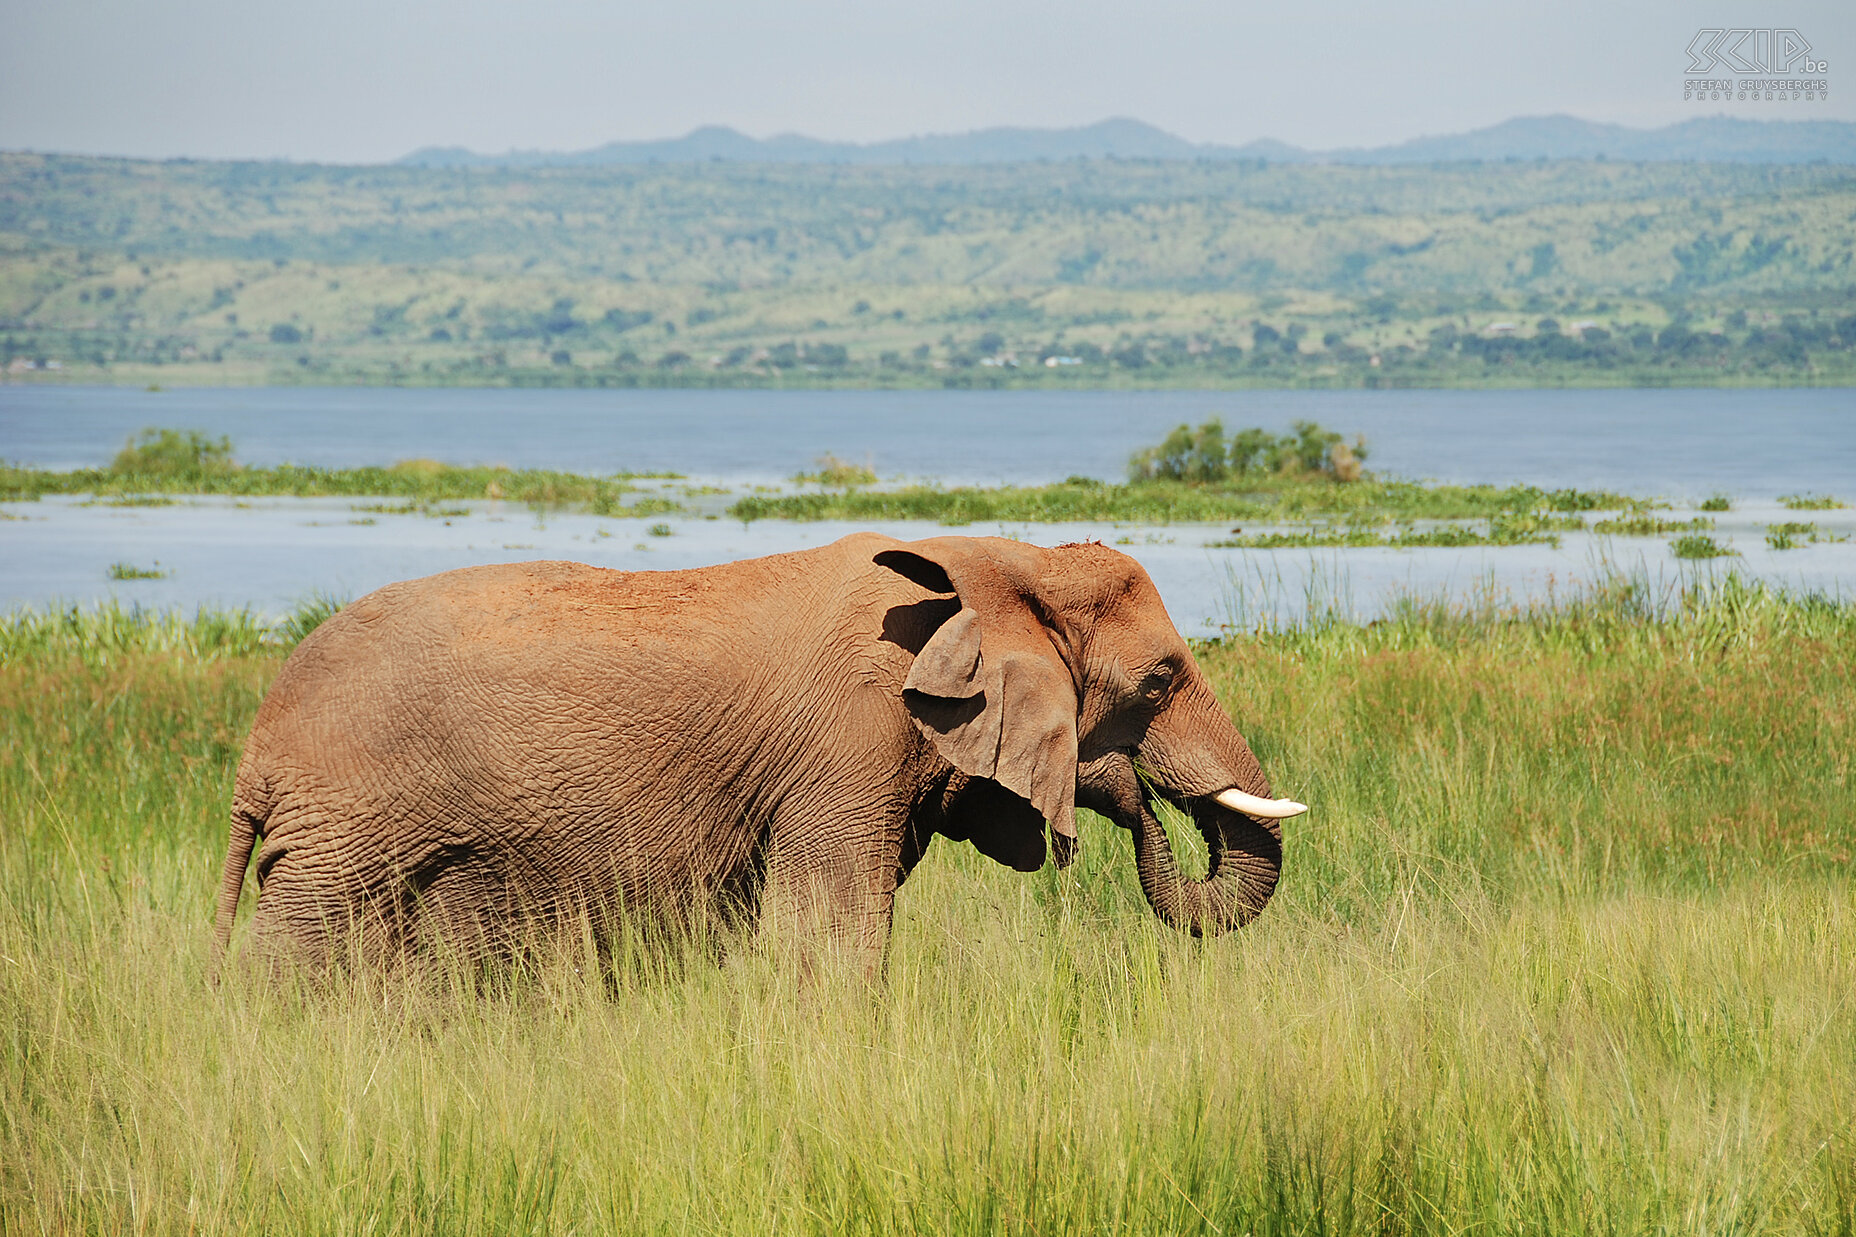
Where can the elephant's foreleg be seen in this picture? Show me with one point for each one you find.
(832, 901)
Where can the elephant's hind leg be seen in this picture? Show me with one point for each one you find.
(324, 905)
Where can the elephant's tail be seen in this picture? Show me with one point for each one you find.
(245, 828)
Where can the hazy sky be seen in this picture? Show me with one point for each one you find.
(368, 80)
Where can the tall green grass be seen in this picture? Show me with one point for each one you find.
(1566, 945)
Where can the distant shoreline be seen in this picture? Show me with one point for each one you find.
(211, 376)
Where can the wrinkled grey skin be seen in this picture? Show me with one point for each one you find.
(481, 753)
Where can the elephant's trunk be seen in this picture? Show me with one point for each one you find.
(1246, 858)
(1194, 758)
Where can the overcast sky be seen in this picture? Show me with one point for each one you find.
(369, 80)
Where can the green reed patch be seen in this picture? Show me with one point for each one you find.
(1811, 502)
(1699, 545)
(1792, 534)
(129, 571)
(1564, 945)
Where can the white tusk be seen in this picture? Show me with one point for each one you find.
(1251, 805)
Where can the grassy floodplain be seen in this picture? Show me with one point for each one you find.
(159, 463)
(1352, 513)
(1081, 498)
(1567, 945)
(162, 462)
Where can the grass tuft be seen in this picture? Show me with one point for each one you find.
(309, 614)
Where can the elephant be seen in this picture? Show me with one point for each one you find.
(476, 753)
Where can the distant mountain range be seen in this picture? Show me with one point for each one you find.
(1716, 139)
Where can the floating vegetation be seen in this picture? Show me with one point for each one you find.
(133, 500)
(1274, 500)
(1699, 545)
(1810, 502)
(1302, 539)
(1791, 535)
(659, 530)
(1638, 524)
(410, 508)
(129, 571)
(1718, 502)
(1534, 528)
(1450, 536)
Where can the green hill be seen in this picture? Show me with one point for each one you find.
(1116, 272)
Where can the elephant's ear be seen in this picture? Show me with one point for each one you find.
(989, 687)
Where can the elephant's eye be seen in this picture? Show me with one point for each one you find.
(1155, 684)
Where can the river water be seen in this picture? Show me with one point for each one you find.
(1680, 446)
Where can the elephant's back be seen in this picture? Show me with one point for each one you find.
(521, 680)
(494, 636)
(518, 675)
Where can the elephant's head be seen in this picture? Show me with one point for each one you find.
(1057, 675)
